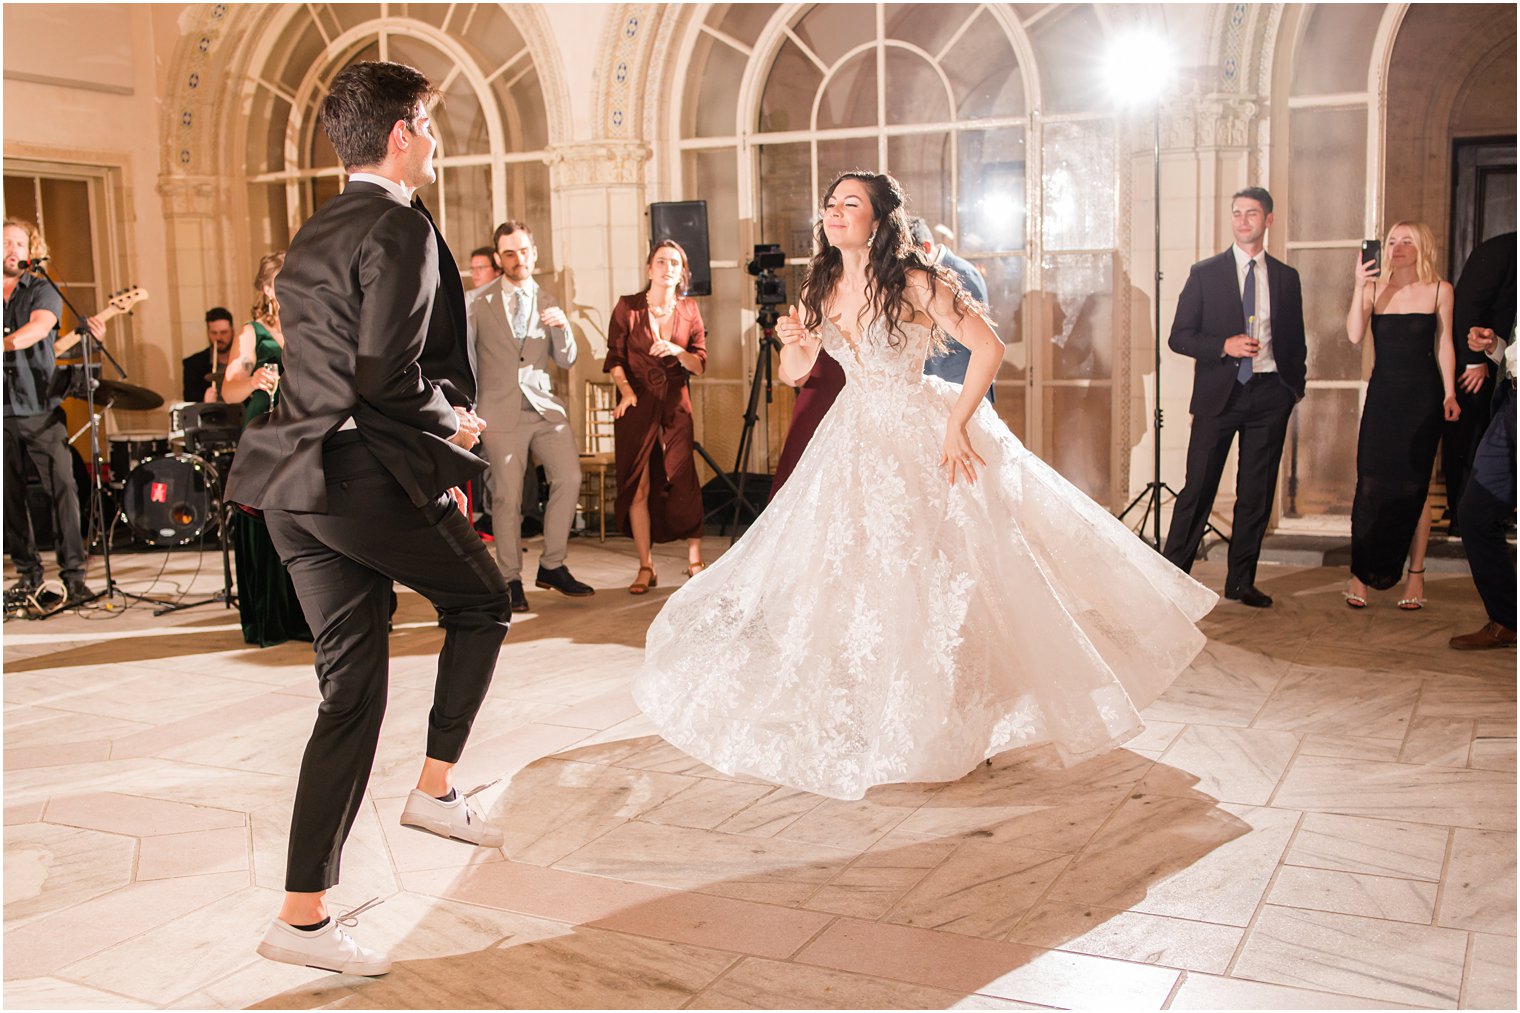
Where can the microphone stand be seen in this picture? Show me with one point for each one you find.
(88, 343)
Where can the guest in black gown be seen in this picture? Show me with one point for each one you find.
(1411, 391)
(268, 607)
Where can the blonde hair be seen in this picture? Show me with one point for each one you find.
(265, 309)
(36, 246)
(1425, 249)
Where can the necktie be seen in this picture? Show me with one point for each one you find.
(519, 313)
(1248, 305)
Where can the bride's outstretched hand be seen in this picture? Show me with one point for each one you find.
(959, 456)
(789, 328)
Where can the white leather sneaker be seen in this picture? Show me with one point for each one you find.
(327, 949)
(454, 819)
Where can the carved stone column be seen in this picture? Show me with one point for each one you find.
(196, 227)
(599, 197)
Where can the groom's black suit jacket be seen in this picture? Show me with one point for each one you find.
(372, 309)
(1209, 311)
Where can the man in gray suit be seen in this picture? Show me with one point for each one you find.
(515, 329)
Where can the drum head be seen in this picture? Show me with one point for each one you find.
(169, 500)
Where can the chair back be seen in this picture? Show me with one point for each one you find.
(601, 399)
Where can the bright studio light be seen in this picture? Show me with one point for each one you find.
(1139, 67)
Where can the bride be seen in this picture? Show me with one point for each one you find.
(923, 592)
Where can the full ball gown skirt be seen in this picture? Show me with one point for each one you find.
(877, 625)
(1401, 428)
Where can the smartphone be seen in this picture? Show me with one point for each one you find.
(1372, 249)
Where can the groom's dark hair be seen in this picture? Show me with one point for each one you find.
(364, 102)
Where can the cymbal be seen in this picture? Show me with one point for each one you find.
(126, 396)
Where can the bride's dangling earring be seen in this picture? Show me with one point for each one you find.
(871, 241)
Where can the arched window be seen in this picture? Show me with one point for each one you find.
(491, 125)
(941, 95)
(1329, 206)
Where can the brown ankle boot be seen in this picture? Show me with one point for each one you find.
(1492, 635)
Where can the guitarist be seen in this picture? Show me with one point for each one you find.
(34, 421)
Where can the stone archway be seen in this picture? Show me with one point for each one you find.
(203, 128)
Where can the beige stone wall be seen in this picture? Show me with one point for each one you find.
(1452, 75)
(181, 225)
(82, 87)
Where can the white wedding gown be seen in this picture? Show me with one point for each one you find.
(877, 625)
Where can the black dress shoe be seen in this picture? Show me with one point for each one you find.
(559, 579)
(78, 590)
(1248, 595)
(515, 595)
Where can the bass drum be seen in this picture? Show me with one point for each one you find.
(170, 500)
(128, 450)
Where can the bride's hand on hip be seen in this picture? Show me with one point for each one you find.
(959, 456)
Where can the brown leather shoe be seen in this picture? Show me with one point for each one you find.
(1492, 635)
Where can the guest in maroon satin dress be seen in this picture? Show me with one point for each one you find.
(654, 345)
(814, 399)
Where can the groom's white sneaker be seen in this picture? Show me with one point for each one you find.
(327, 949)
(455, 819)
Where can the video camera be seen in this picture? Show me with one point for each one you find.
(770, 288)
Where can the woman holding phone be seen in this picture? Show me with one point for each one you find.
(1411, 391)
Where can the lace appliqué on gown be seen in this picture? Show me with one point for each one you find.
(877, 625)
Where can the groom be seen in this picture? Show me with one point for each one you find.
(355, 471)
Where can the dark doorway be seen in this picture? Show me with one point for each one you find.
(1483, 194)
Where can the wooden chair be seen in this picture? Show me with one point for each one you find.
(598, 460)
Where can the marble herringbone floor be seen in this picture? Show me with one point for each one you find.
(1320, 814)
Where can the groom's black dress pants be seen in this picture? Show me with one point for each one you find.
(342, 564)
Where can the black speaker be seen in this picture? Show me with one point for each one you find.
(685, 221)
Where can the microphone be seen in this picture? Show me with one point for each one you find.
(27, 265)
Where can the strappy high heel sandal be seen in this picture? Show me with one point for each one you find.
(1411, 604)
(1355, 601)
(642, 586)
(695, 568)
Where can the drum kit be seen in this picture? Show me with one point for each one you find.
(166, 485)
(169, 495)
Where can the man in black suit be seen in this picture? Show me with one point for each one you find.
(203, 370)
(357, 470)
(1241, 317)
(1484, 297)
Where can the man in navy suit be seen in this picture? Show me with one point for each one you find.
(952, 362)
(1241, 318)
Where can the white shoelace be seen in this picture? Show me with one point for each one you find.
(351, 916)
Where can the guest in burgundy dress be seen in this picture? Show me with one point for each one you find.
(814, 399)
(655, 343)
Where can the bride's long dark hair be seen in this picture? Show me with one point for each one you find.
(892, 256)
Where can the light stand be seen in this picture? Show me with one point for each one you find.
(1140, 67)
(1151, 494)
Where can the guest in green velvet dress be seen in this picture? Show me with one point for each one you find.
(267, 604)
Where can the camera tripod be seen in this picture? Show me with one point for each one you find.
(762, 377)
